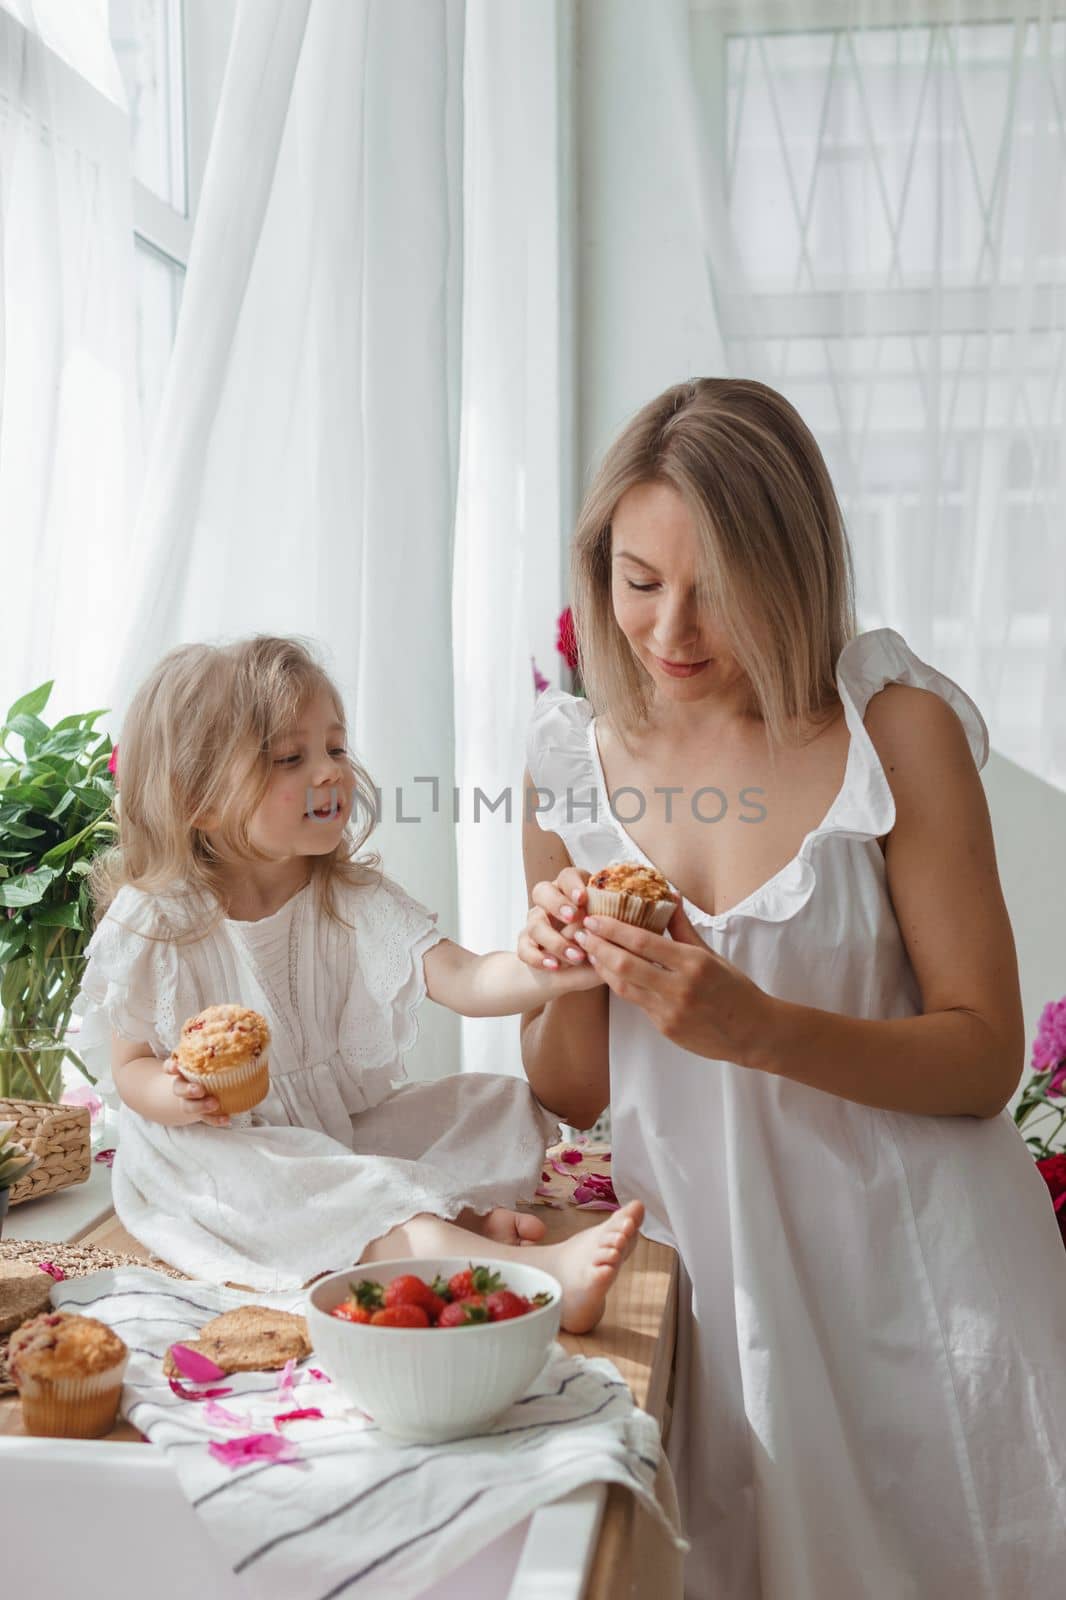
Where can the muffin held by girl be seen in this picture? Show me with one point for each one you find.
(222, 1048)
(68, 1371)
(632, 893)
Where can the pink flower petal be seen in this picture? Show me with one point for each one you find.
(106, 1158)
(316, 1375)
(558, 1167)
(83, 1095)
(191, 1364)
(286, 1383)
(595, 1205)
(221, 1417)
(571, 1157)
(301, 1414)
(253, 1447)
(193, 1394)
(52, 1270)
(545, 1177)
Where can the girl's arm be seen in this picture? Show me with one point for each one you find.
(498, 984)
(156, 1090)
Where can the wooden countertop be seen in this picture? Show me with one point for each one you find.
(636, 1334)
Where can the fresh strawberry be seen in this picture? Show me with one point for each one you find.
(411, 1291)
(348, 1311)
(368, 1293)
(402, 1316)
(503, 1304)
(473, 1280)
(464, 1313)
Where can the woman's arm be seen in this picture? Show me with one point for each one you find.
(565, 1041)
(155, 1089)
(962, 1056)
(965, 1053)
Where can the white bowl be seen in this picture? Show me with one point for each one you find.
(429, 1384)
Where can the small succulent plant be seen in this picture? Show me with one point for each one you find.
(15, 1159)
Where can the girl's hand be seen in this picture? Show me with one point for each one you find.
(694, 997)
(558, 909)
(196, 1104)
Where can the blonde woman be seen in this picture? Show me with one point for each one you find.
(239, 879)
(807, 1078)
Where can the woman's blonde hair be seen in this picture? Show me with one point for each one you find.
(775, 562)
(196, 744)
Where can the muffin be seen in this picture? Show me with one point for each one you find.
(222, 1048)
(632, 893)
(248, 1339)
(68, 1372)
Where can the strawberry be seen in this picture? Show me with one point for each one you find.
(347, 1311)
(401, 1316)
(464, 1313)
(367, 1293)
(503, 1304)
(411, 1291)
(473, 1280)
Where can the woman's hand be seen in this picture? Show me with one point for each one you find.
(694, 997)
(558, 909)
(195, 1102)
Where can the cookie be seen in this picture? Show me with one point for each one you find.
(24, 1291)
(249, 1339)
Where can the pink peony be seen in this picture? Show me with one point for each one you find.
(1049, 1046)
(566, 638)
(83, 1095)
(540, 682)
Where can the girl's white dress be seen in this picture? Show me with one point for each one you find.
(342, 1149)
(871, 1369)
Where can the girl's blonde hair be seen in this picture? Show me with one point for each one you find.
(196, 744)
(775, 562)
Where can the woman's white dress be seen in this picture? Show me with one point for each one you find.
(871, 1369)
(342, 1149)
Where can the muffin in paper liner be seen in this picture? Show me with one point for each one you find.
(224, 1048)
(68, 1371)
(72, 1408)
(636, 894)
(238, 1089)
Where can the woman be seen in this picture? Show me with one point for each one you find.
(808, 1078)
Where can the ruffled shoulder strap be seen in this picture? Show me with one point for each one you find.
(393, 931)
(563, 764)
(130, 982)
(865, 665)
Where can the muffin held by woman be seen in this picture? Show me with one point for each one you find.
(632, 893)
(223, 1048)
(68, 1371)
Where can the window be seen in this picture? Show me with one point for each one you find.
(171, 54)
(896, 203)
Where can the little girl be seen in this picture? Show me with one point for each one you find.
(238, 878)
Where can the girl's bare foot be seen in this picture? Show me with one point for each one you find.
(588, 1263)
(504, 1226)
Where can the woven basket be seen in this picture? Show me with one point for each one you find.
(58, 1136)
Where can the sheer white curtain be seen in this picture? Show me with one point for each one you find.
(518, 460)
(70, 445)
(888, 187)
(303, 476)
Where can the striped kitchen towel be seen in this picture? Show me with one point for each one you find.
(336, 1507)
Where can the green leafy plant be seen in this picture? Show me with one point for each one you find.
(15, 1160)
(56, 812)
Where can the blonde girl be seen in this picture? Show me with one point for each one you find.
(240, 877)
